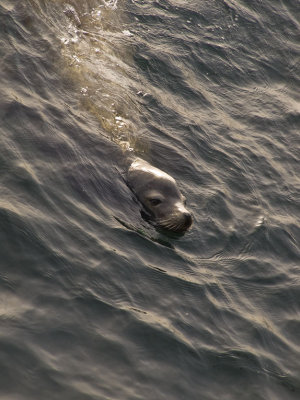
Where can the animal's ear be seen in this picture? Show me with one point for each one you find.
(145, 215)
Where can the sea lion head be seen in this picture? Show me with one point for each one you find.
(159, 194)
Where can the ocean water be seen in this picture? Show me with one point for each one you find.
(95, 303)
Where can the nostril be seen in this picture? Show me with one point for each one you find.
(188, 218)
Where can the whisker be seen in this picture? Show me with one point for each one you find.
(174, 222)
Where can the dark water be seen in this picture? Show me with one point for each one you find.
(94, 302)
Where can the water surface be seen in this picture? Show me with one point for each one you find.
(97, 304)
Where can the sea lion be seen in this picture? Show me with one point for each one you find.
(159, 194)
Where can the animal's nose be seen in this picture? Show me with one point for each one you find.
(188, 220)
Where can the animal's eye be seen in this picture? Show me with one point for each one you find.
(155, 202)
